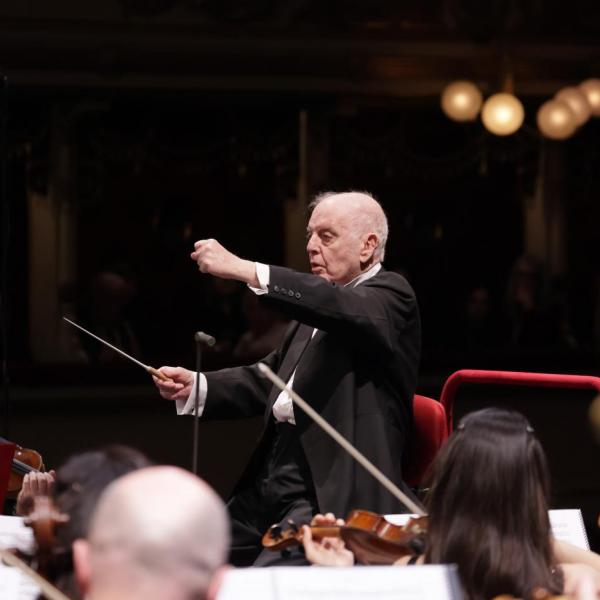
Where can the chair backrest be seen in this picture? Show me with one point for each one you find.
(430, 431)
(510, 378)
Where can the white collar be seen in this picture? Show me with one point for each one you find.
(366, 275)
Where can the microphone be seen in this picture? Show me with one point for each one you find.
(204, 338)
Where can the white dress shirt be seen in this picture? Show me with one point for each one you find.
(283, 408)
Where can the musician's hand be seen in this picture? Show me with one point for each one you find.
(574, 572)
(326, 520)
(180, 386)
(34, 484)
(585, 588)
(329, 552)
(214, 259)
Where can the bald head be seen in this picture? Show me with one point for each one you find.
(347, 234)
(157, 527)
(363, 213)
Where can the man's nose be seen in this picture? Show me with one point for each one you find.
(311, 244)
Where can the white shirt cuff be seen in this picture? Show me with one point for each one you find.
(263, 274)
(186, 407)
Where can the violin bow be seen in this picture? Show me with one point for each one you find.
(49, 591)
(344, 443)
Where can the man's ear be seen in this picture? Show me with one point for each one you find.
(369, 246)
(216, 582)
(82, 565)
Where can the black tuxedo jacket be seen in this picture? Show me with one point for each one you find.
(359, 372)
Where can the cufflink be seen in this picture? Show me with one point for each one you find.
(291, 293)
(298, 295)
(275, 288)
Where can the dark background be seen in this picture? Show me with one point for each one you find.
(186, 119)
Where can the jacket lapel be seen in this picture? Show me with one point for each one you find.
(295, 350)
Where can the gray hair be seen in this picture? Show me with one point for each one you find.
(376, 222)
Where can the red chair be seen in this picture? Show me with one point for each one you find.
(515, 378)
(430, 431)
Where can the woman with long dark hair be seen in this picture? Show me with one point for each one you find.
(488, 512)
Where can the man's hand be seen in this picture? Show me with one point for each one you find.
(180, 386)
(34, 484)
(212, 258)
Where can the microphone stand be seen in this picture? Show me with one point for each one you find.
(200, 338)
(196, 404)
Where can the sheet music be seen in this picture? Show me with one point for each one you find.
(14, 585)
(9, 583)
(566, 523)
(337, 583)
(15, 534)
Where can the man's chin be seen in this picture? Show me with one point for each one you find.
(321, 272)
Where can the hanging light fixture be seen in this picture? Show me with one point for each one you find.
(577, 102)
(461, 101)
(556, 120)
(502, 114)
(591, 89)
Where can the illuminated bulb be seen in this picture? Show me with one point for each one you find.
(591, 89)
(577, 102)
(461, 101)
(556, 120)
(502, 114)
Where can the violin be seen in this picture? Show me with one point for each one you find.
(372, 539)
(44, 519)
(24, 461)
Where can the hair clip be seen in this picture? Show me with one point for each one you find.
(461, 426)
(529, 429)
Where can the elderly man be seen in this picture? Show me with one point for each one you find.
(352, 353)
(156, 533)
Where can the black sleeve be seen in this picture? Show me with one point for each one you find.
(372, 313)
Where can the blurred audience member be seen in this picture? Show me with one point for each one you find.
(266, 329)
(222, 314)
(536, 320)
(103, 311)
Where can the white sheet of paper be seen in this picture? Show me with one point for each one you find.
(336, 583)
(567, 524)
(9, 583)
(15, 534)
(14, 585)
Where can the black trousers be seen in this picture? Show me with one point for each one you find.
(282, 491)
